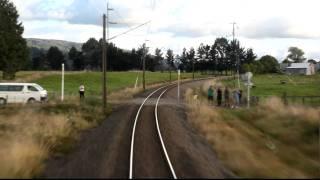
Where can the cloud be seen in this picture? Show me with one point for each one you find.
(195, 30)
(42, 10)
(61, 30)
(82, 11)
(278, 28)
(267, 26)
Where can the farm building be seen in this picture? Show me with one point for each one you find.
(283, 66)
(318, 66)
(301, 68)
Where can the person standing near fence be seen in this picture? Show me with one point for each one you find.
(236, 95)
(81, 91)
(219, 96)
(226, 97)
(210, 95)
(240, 96)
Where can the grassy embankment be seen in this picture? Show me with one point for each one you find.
(295, 85)
(268, 141)
(269, 85)
(30, 134)
(92, 81)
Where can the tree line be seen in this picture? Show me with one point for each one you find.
(89, 58)
(222, 57)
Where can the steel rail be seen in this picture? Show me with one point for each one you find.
(160, 136)
(134, 130)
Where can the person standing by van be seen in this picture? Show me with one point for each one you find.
(81, 91)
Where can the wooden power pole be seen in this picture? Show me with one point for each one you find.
(144, 66)
(104, 65)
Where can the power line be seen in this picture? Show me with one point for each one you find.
(129, 30)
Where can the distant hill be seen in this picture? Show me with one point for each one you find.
(45, 44)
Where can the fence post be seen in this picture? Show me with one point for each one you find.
(284, 97)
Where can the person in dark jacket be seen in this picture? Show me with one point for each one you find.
(226, 97)
(240, 96)
(219, 96)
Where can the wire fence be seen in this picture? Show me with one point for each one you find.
(288, 100)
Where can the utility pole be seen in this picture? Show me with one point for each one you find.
(104, 65)
(144, 66)
(235, 54)
(106, 23)
(193, 68)
(62, 82)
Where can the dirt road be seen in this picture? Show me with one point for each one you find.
(104, 152)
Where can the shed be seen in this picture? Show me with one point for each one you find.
(301, 68)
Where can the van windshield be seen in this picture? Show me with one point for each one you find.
(38, 87)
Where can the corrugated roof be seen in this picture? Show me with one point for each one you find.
(299, 65)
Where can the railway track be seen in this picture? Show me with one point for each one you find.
(147, 144)
(148, 148)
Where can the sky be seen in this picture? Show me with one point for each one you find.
(267, 26)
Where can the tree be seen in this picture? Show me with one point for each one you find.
(270, 64)
(40, 62)
(202, 57)
(77, 59)
(312, 61)
(55, 58)
(250, 57)
(296, 55)
(170, 60)
(213, 58)
(13, 48)
(286, 61)
(191, 59)
(158, 56)
(92, 51)
(183, 60)
(221, 45)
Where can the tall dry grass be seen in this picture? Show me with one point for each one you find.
(29, 135)
(124, 94)
(270, 141)
(26, 140)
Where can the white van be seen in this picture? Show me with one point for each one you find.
(21, 93)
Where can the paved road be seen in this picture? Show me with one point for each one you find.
(103, 152)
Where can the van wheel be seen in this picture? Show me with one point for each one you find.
(3, 101)
(31, 101)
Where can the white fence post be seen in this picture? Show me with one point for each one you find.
(136, 84)
(62, 83)
(179, 86)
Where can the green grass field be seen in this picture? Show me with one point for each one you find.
(93, 80)
(269, 85)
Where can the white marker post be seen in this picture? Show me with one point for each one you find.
(178, 86)
(248, 84)
(248, 96)
(136, 84)
(62, 83)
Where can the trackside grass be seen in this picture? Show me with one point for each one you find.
(93, 81)
(270, 140)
